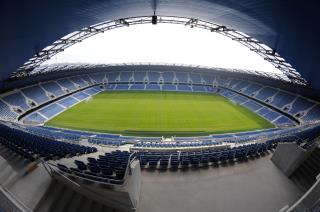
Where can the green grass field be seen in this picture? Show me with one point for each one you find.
(159, 114)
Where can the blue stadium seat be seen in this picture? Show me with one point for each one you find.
(281, 99)
(313, 115)
(53, 88)
(51, 110)
(108, 168)
(80, 95)
(35, 117)
(65, 83)
(137, 87)
(6, 112)
(68, 101)
(239, 99)
(32, 147)
(167, 87)
(113, 76)
(125, 76)
(167, 77)
(182, 77)
(184, 88)
(252, 105)
(252, 88)
(139, 76)
(122, 87)
(98, 78)
(195, 78)
(80, 82)
(17, 99)
(86, 79)
(153, 76)
(240, 85)
(36, 93)
(208, 79)
(265, 93)
(300, 104)
(197, 88)
(153, 87)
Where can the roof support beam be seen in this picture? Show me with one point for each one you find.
(268, 54)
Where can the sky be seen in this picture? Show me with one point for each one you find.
(163, 43)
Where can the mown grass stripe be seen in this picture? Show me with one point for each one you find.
(144, 113)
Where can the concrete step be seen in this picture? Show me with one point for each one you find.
(15, 161)
(62, 201)
(316, 153)
(86, 205)
(300, 181)
(6, 173)
(97, 207)
(314, 162)
(305, 176)
(75, 203)
(311, 170)
(61, 198)
(298, 184)
(107, 209)
(54, 191)
(311, 166)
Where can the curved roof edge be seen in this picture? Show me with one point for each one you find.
(65, 67)
(289, 26)
(267, 53)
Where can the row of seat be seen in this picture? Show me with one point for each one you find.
(293, 105)
(177, 144)
(155, 142)
(161, 87)
(164, 160)
(275, 117)
(154, 158)
(297, 106)
(111, 167)
(32, 147)
(49, 111)
(169, 76)
(302, 135)
(108, 168)
(30, 97)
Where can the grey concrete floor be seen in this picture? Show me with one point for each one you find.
(256, 185)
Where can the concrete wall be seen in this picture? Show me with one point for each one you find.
(22, 184)
(120, 197)
(288, 156)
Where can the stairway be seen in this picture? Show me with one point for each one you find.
(305, 175)
(60, 198)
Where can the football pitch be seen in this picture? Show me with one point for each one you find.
(147, 113)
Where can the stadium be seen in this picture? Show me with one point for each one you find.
(153, 136)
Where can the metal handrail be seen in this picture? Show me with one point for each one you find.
(48, 168)
(304, 196)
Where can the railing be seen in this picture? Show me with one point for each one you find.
(308, 202)
(259, 139)
(181, 148)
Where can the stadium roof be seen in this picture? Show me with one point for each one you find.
(288, 27)
(64, 67)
